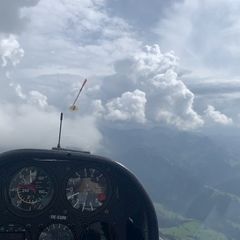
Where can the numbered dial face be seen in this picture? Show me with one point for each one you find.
(87, 190)
(56, 232)
(31, 189)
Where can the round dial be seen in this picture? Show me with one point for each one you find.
(56, 232)
(87, 189)
(31, 189)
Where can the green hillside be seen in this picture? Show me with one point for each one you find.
(183, 228)
(192, 230)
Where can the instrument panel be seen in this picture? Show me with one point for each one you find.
(53, 195)
(58, 192)
(32, 188)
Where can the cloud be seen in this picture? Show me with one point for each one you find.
(10, 50)
(217, 87)
(26, 126)
(129, 107)
(165, 98)
(28, 120)
(33, 97)
(208, 46)
(77, 37)
(216, 116)
(207, 43)
(83, 39)
(18, 90)
(11, 20)
(38, 98)
(134, 11)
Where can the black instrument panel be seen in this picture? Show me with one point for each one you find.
(48, 195)
(59, 198)
(31, 187)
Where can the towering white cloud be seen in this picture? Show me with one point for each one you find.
(205, 35)
(169, 99)
(217, 116)
(165, 98)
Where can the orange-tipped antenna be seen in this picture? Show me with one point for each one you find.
(73, 107)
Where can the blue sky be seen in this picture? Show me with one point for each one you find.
(149, 63)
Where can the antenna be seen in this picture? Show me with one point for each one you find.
(59, 148)
(73, 107)
(60, 132)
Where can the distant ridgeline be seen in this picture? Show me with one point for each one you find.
(188, 174)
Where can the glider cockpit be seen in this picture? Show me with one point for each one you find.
(71, 195)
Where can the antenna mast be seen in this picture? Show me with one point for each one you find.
(60, 132)
(73, 107)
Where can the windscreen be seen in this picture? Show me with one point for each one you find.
(162, 97)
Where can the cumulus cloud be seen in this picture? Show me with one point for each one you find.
(161, 96)
(11, 24)
(129, 107)
(208, 45)
(10, 50)
(33, 97)
(216, 116)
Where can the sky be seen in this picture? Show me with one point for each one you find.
(148, 63)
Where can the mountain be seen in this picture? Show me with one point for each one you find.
(190, 154)
(188, 173)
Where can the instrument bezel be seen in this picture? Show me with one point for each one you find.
(109, 189)
(13, 172)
